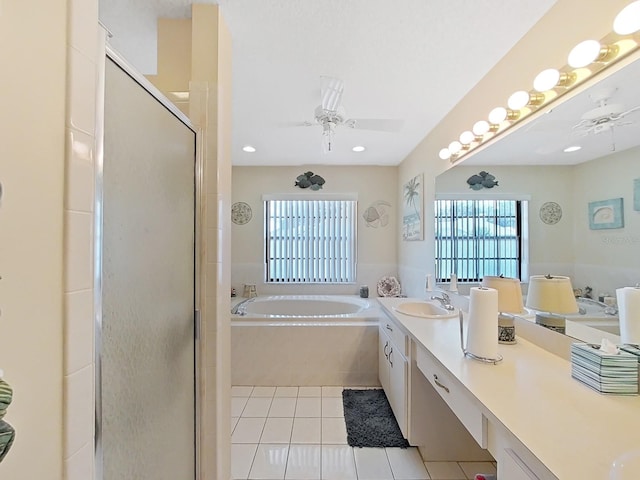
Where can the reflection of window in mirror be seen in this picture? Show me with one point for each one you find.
(476, 238)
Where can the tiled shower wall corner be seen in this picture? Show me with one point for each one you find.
(83, 56)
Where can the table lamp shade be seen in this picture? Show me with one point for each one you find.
(551, 294)
(509, 293)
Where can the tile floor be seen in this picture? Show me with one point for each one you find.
(298, 433)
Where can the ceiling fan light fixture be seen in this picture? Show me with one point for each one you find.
(444, 154)
(627, 21)
(249, 149)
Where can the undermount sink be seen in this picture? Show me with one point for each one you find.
(424, 310)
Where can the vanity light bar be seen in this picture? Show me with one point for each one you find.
(588, 57)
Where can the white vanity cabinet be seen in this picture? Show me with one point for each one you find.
(393, 369)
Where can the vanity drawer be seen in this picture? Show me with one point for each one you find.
(455, 396)
(396, 335)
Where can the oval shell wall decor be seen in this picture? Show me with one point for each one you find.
(240, 213)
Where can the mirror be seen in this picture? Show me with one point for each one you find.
(584, 206)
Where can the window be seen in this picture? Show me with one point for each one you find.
(310, 241)
(475, 238)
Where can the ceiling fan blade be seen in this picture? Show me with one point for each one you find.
(631, 110)
(304, 123)
(331, 89)
(378, 124)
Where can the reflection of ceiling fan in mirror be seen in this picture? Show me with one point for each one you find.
(605, 116)
(330, 114)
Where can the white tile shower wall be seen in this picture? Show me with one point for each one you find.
(85, 49)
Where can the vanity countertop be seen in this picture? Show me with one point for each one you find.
(574, 431)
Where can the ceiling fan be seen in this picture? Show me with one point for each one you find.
(330, 114)
(605, 116)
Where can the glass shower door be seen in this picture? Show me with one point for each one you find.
(146, 344)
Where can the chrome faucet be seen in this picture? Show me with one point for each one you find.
(444, 300)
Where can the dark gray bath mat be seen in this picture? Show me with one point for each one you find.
(370, 420)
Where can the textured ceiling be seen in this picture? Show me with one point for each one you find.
(402, 59)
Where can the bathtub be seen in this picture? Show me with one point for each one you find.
(305, 340)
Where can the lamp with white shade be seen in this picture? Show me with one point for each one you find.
(509, 304)
(552, 297)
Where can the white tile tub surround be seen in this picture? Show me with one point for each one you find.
(84, 50)
(305, 351)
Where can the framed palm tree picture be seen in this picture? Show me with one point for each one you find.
(412, 193)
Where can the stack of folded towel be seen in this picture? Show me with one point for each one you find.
(7, 433)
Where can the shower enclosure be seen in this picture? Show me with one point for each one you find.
(145, 335)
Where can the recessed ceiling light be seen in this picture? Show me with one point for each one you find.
(248, 149)
(358, 148)
(573, 148)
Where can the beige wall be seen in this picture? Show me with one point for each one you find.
(546, 45)
(376, 246)
(602, 259)
(32, 154)
(607, 259)
(538, 185)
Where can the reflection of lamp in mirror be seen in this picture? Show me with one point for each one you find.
(551, 297)
(509, 304)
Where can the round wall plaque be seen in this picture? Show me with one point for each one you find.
(550, 213)
(240, 213)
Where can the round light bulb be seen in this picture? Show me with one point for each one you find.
(455, 147)
(481, 127)
(248, 149)
(498, 115)
(467, 137)
(358, 148)
(546, 80)
(444, 154)
(518, 100)
(628, 20)
(584, 53)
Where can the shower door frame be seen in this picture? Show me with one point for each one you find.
(111, 54)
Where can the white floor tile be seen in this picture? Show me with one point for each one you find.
(332, 407)
(270, 462)
(306, 430)
(309, 392)
(372, 464)
(263, 391)
(303, 462)
(338, 463)
(308, 407)
(283, 407)
(277, 430)
(471, 468)
(241, 391)
(241, 459)
(257, 407)
(237, 405)
(286, 392)
(332, 391)
(445, 471)
(248, 430)
(406, 463)
(334, 431)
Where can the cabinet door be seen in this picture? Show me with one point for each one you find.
(384, 346)
(398, 371)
